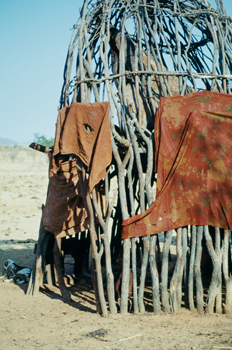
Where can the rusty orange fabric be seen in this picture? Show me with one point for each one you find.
(64, 212)
(83, 130)
(193, 139)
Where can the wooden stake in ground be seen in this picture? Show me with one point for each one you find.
(216, 257)
(174, 290)
(154, 275)
(57, 259)
(93, 239)
(226, 272)
(191, 269)
(199, 286)
(164, 272)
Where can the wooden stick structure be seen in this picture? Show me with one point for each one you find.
(131, 54)
(39, 147)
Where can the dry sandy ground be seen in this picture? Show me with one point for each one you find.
(45, 321)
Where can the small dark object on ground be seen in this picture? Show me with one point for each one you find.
(18, 273)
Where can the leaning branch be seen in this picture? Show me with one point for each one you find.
(39, 147)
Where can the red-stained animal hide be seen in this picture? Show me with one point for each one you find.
(193, 139)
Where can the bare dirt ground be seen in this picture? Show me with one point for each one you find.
(45, 321)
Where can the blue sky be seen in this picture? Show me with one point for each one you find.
(34, 40)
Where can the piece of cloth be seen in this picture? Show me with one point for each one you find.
(64, 213)
(193, 139)
(83, 131)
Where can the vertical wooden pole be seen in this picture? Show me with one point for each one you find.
(110, 276)
(97, 258)
(94, 281)
(185, 264)
(215, 284)
(93, 240)
(134, 274)
(226, 273)
(57, 260)
(125, 276)
(125, 215)
(36, 278)
(174, 297)
(199, 286)
(105, 237)
(143, 274)
(154, 275)
(48, 258)
(219, 252)
(164, 272)
(183, 252)
(191, 269)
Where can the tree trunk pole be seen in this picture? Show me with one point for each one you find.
(57, 260)
(186, 264)
(191, 269)
(226, 273)
(110, 276)
(94, 281)
(36, 278)
(134, 274)
(106, 239)
(48, 258)
(143, 274)
(154, 275)
(93, 239)
(219, 252)
(97, 258)
(164, 272)
(174, 297)
(125, 215)
(182, 266)
(199, 286)
(215, 284)
(125, 276)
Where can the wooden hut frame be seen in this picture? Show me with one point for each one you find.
(130, 53)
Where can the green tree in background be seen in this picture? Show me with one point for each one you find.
(42, 140)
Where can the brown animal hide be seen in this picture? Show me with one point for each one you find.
(82, 133)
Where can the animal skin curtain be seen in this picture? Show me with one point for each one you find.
(193, 157)
(82, 131)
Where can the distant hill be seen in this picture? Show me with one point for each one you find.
(7, 142)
